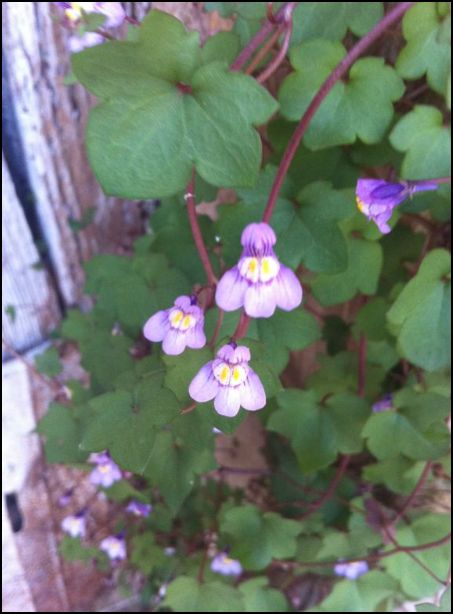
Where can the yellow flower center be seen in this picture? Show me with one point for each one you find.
(360, 205)
(230, 376)
(260, 269)
(180, 320)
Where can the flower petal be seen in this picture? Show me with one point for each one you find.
(289, 290)
(184, 303)
(204, 386)
(230, 291)
(157, 326)
(195, 337)
(228, 401)
(253, 396)
(175, 342)
(261, 300)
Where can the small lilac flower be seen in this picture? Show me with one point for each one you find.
(178, 327)
(75, 526)
(115, 547)
(222, 564)
(229, 381)
(351, 571)
(139, 509)
(383, 404)
(170, 551)
(106, 471)
(258, 282)
(65, 498)
(377, 198)
(79, 43)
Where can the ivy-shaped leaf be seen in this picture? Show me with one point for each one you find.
(421, 315)
(62, 429)
(361, 275)
(331, 20)
(428, 50)
(257, 538)
(259, 597)
(359, 108)
(362, 595)
(187, 595)
(164, 111)
(426, 141)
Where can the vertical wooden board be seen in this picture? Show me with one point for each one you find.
(51, 119)
(29, 303)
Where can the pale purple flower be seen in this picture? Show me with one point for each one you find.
(139, 509)
(115, 547)
(383, 404)
(259, 282)
(106, 472)
(65, 498)
(79, 43)
(222, 564)
(75, 526)
(178, 327)
(351, 571)
(377, 198)
(230, 381)
(170, 551)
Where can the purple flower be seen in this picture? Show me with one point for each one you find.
(383, 404)
(115, 547)
(65, 498)
(351, 571)
(179, 327)
(106, 471)
(139, 509)
(222, 564)
(79, 43)
(377, 198)
(258, 282)
(229, 381)
(75, 526)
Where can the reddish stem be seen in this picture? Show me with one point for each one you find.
(241, 329)
(338, 72)
(261, 36)
(196, 232)
(329, 493)
(279, 58)
(217, 328)
(411, 498)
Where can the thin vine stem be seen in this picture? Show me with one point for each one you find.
(343, 67)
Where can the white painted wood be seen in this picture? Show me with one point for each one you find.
(27, 291)
(51, 118)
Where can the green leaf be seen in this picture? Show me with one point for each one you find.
(318, 432)
(324, 247)
(423, 137)
(307, 426)
(223, 46)
(444, 606)
(426, 51)
(415, 429)
(146, 556)
(421, 315)
(186, 595)
(188, 451)
(73, 550)
(362, 274)
(49, 362)
(62, 430)
(126, 423)
(314, 19)
(155, 130)
(257, 538)
(362, 595)
(361, 108)
(182, 369)
(415, 581)
(398, 473)
(105, 357)
(295, 330)
(259, 597)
